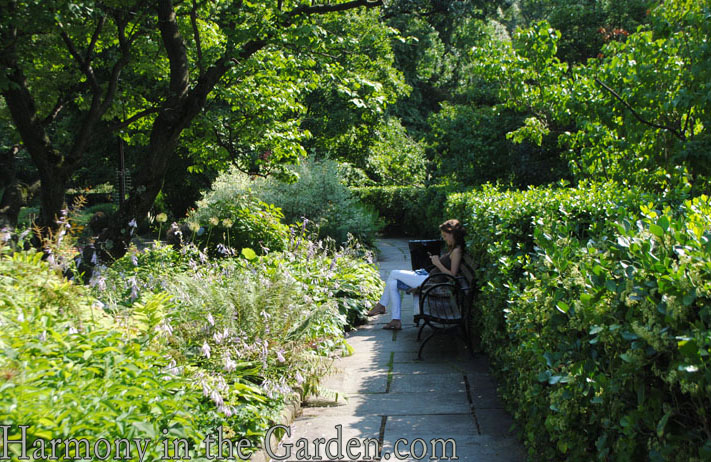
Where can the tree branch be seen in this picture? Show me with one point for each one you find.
(175, 49)
(52, 116)
(133, 118)
(196, 35)
(84, 65)
(636, 114)
(94, 38)
(323, 9)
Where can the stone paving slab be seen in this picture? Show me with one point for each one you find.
(396, 404)
(429, 383)
(385, 392)
(352, 381)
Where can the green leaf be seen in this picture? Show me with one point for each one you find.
(563, 307)
(688, 348)
(145, 429)
(663, 222)
(656, 230)
(248, 253)
(626, 358)
(663, 423)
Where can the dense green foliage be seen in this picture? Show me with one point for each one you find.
(60, 349)
(182, 343)
(318, 196)
(637, 114)
(594, 290)
(231, 216)
(223, 82)
(596, 313)
(408, 211)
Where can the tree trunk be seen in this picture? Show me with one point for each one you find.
(16, 194)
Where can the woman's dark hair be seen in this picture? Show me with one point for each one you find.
(455, 228)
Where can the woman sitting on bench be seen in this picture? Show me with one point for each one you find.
(453, 234)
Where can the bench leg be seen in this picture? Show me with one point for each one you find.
(419, 333)
(467, 340)
(419, 353)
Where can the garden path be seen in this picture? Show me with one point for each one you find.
(385, 393)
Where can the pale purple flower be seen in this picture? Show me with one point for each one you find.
(73, 330)
(223, 249)
(267, 387)
(230, 364)
(172, 368)
(134, 287)
(221, 336)
(5, 235)
(210, 319)
(217, 398)
(205, 349)
(43, 336)
(299, 378)
(165, 328)
(133, 223)
(98, 281)
(21, 317)
(226, 410)
(280, 356)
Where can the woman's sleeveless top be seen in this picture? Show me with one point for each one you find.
(446, 260)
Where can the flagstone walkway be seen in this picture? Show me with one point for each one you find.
(383, 393)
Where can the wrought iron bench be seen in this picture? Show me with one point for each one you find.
(446, 302)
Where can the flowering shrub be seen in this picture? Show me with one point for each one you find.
(218, 343)
(256, 328)
(58, 349)
(231, 216)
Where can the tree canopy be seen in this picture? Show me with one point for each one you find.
(146, 71)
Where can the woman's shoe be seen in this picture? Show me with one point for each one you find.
(395, 324)
(377, 309)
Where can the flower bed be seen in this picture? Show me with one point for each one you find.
(171, 344)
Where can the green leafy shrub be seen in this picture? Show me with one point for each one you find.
(320, 196)
(231, 215)
(406, 210)
(65, 372)
(595, 312)
(267, 322)
(395, 158)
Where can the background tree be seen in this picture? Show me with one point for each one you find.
(162, 61)
(638, 114)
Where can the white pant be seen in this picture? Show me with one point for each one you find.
(391, 293)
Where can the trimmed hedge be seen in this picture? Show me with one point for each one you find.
(408, 210)
(595, 309)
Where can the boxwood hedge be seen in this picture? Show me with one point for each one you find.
(594, 307)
